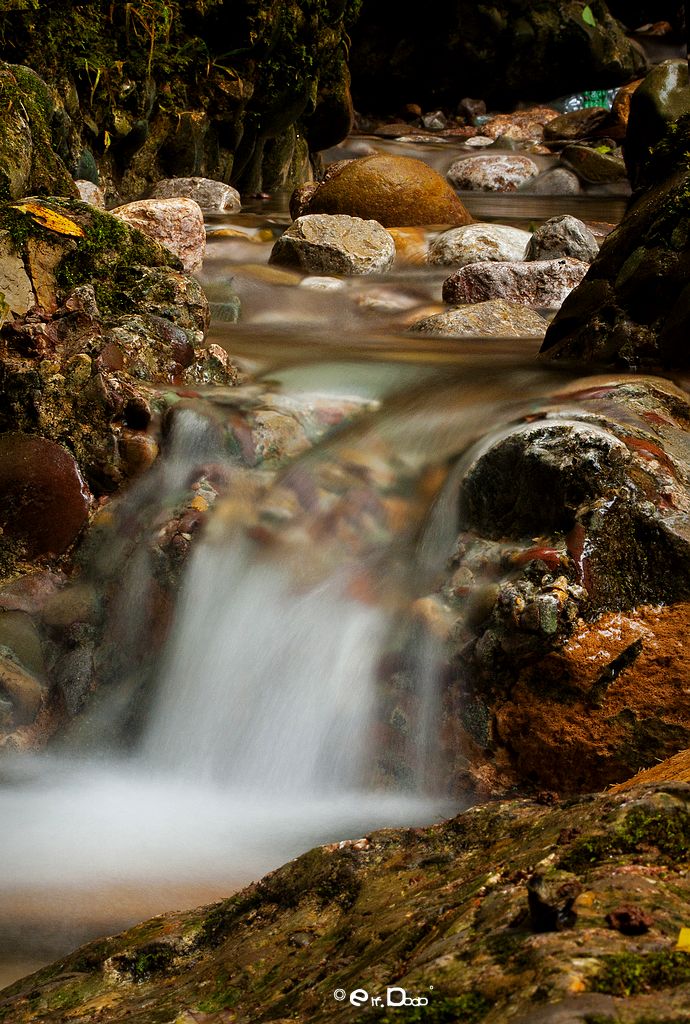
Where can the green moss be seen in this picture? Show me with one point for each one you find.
(470, 1008)
(668, 831)
(628, 974)
(146, 962)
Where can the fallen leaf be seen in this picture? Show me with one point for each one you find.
(47, 218)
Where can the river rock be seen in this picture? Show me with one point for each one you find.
(29, 163)
(178, 224)
(633, 308)
(112, 314)
(495, 173)
(536, 283)
(562, 236)
(576, 124)
(594, 167)
(581, 860)
(578, 518)
(476, 243)
(45, 501)
(557, 182)
(522, 126)
(211, 195)
(396, 191)
(495, 318)
(324, 244)
(661, 99)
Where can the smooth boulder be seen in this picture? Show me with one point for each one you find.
(562, 236)
(209, 194)
(396, 191)
(494, 318)
(476, 243)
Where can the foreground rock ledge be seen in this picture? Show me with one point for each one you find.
(514, 910)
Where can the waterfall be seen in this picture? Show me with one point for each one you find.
(267, 686)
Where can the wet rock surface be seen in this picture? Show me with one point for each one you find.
(507, 908)
(339, 244)
(396, 191)
(574, 541)
(562, 236)
(495, 173)
(476, 243)
(496, 317)
(535, 283)
(632, 307)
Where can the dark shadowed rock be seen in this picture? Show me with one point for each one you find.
(45, 502)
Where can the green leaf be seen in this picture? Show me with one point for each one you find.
(588, 17)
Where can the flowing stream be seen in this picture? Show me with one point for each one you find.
(262, 738)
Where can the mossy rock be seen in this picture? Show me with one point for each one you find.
(441, 912)
(396, 191)
(28, 162)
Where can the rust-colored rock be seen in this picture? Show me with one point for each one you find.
(396, 191)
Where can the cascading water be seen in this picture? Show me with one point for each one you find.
(268, 687)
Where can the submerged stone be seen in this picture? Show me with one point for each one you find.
(494, 318)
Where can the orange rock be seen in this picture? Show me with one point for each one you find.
(396, 191)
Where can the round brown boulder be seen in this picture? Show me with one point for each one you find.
(396, 191)
(43, 500)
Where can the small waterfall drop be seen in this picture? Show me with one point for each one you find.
(268, 686)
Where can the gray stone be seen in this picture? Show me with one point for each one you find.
(495, 318)
(475, 243)
(543, 283)
(557, 182)
(492, 173)
(335, 244)
(209, 194)
(562, 236)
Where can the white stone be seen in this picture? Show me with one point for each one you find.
(494, 172)
(544, 283)
(474, 243)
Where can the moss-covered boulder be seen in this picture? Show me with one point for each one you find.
(28, 161)
(396, 191)
(516, 910)
(500, 51)
(98, 316)
(155, 89)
